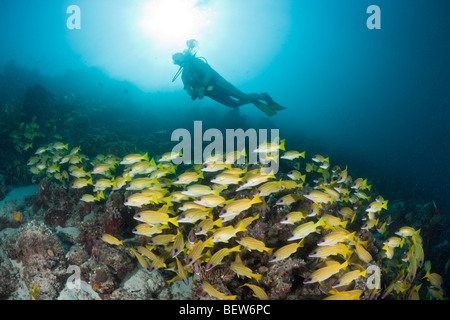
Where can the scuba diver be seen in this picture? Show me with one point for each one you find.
(201, 80)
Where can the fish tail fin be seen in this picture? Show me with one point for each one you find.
(174, 221)
(209, 242)
(145, 157)
(218, 222)
(256, 199)
(241, 227)
(282, 145)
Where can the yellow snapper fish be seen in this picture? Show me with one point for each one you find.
(207, 225)
(293, 217)
(242, 271)
(119, 182)
(156, 217)
(333, 221)
(217, 257)
(237, 206)
(111, 239)
(435, 279)
(236, 171)
(133, 158)
(288, 199)
(269, 187)
(314, 209)
(188, 177)
(198, 190)
(102, 168)
(326, 251)
(343, 176)
(235, 157)
(254, 244)
(140, 258)
(227, 179)
(291, 155)
(211, 201)
(79, 173)
(248, 221)
(33, 160)
(344, 295)
(318, 196)
(142, 167)
(347, 213)
(190, 205)
(326, 272)
(140, 183)
(81, 183)
(102, 184)
(305, 229)
(197, 250)
(360, 183)
(226, 233)
(162, 239)
(286, 251)
(169, 156)
(361, 251)
(178, 244)
(181, 272)
(256, 179)
(214, 167)
(213, 292)
(376, 206)
(258, 291)
(296, 175)
(407, 232)
(195, 214)
(139, 199)
(59, 146)
(349, 277)
(90, 198)
(335, 237)
(270, 147)
(394, 242)
(320, 159)
(148, 230)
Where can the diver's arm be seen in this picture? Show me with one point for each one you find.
(206, 71)
(187, 85)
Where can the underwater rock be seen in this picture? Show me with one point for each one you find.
(8, 275)
(2, 187)
(116, 258)
(60, 206)
(102, 280)
(142, 285)
(42, 256)
(77, 255)
(39, 102)
(85, 292)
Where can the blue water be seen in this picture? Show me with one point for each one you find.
(374, 100)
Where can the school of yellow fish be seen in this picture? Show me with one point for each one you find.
(192, 216)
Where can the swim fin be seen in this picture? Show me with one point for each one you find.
(265, 108)
(272, 104)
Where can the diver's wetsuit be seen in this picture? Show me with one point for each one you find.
(216, 88)
(201, 80)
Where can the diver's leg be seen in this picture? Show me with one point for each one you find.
(272, 104)
(225, 99)
(228, 89)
